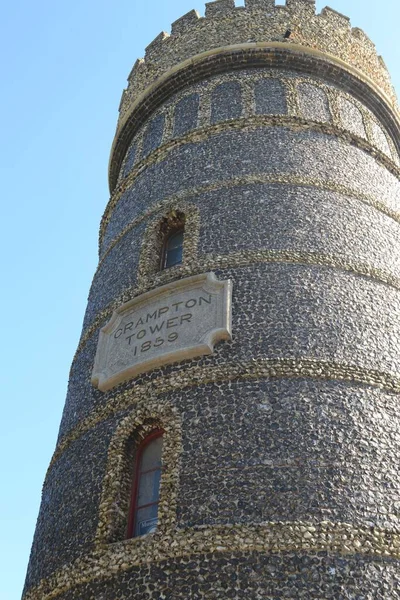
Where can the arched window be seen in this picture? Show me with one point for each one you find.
(173, 249)
(143, 516)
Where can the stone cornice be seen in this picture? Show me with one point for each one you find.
(259, 21)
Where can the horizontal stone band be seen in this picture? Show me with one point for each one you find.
(271, 538)
(254, 180)
(225, 59)
(210, 262)
(243, 123)
(264, 368)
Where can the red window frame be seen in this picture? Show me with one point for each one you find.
(134, 508)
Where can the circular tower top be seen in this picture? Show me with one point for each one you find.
(252, 33)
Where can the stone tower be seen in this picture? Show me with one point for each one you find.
(242, 336)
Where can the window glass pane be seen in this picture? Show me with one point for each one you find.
(174, 250)
(174, 257)
(151, 457)
(175, 241)
(146, 520)
(149, 487)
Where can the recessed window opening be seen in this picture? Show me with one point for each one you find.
(143, 517)
(173, 230)
(173, 249)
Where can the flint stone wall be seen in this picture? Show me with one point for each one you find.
(251, 575)
(281, 468)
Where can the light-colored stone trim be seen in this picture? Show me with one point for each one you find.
(153, 239)
(292, 97)
(262, 368)
(199, 135)
(168, 124)
(211, 262)
(294, 180)
(204, 116)
(139, 89)
(333, 95)
(367, 120)
(248, 97)
(248, 81)
(147, 415)
(340, 539)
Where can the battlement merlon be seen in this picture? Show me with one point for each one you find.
(225, 24)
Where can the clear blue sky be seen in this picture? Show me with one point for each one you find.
(64, 65)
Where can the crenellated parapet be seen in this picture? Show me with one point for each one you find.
(258, 22)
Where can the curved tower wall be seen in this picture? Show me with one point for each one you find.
(275, 131)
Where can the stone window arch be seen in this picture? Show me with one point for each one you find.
(116, 508)
(173, 231)
(176, 218)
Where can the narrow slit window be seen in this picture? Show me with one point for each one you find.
(143, 516)
(173, 249)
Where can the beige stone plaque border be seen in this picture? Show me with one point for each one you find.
(203, 345)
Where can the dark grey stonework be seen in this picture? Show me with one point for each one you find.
(313, 103)
(294, 219)
(186, 114)
(130, 159)
(226, 102)
(285, 311)
(68, 515)
(270, 97)
(269, 92)
(113, 275)
(255, 575)
(265, 151)
(153, 135)
(294, 450)
(79, 386)
(351, 117)
(295, 203)
(286, 462)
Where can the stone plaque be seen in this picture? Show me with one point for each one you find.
(180, 320)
